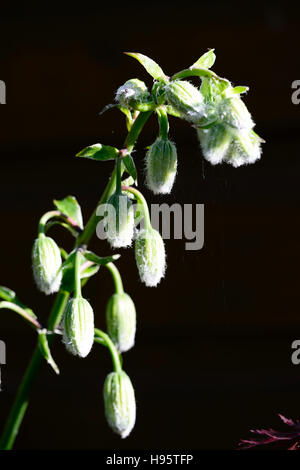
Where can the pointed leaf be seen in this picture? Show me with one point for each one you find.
(206, 61)
(89, 255)
(70, 208)
(99, 152)
(45, 350)
(10, 296)
(68, 274)
(152, 67)
(130, 166)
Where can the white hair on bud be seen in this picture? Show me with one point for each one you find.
(150, 256)
(119, 235)
(46, 265)
(244, 149)
(161, 166)
(78, 321)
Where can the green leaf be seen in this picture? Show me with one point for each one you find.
(71, 209)
(45, 350)
(238, 90)
(206, 61)
(89, 255)
(68, 274)
(173, 112)
(128, 181)
(130, 166)
(152, 67)
(99, 152)
(10, 296)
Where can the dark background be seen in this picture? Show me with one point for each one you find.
(213, 349)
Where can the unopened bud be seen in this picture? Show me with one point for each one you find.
(185, 99)
(161, 165)
(150, 256)
(46, 264)
(119, 223)
(133, 92)
(233, 111)
(245, 148)
(215, 143)
(79, 327)
(121, 321)
(119, 403)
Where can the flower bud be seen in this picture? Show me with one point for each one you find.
(121, 321)
(232, 111)
(161, 166)
(133, 92)
(46, 263)
(79, 327)
(119, 403)
(185, 99)
(150, 256)
(119, 223)
(235, 146)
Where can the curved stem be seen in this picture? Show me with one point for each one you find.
(142, 202)
(21, 311)
(116, 277)
(77, 283)
(163, 122)
(44, 219)
(112, 349)
(21, 401)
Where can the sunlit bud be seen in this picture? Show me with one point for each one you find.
(161, 166)
(244, 148)
(133, 92)
(232, 111)
(78, 327)
(119, 222)
(46, 263)
(215, 142)
(150, 256)
(185, 99)
(119, 403)
(121, 321)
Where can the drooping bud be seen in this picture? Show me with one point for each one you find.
(121, 321)
(46, 263)
(150, 256)
(235, 146)
(133, 92)
(234, 113)
(215, 143)
(78, 327)
(119, 403)
(185, 99)
(161, 166)
(119, 223)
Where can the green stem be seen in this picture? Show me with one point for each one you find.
(16, 308)
(112, 349)
(116, 277)
(142, 202)
(44, 219)
(21, 401)
(77, 283)
(163, 122)
(119, 174)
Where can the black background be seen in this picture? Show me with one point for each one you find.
(213, 349)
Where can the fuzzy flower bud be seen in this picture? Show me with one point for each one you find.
(119, 403)
(133, 92)
(233, 112)
(150, 256)
(46, 263)
(119, 223)
(121, 321)
(185, 99)
(235, 146)
(79, 327)
(161, 166)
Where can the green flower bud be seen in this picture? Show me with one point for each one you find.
(119, 223)
(46, 263)
(150, 256)
(215, 143)
(234, 113)
(235, 146)
(161, 166)
(133, 92)
(119, 403)
(78, 327)
(121, 321)
(185, 99)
